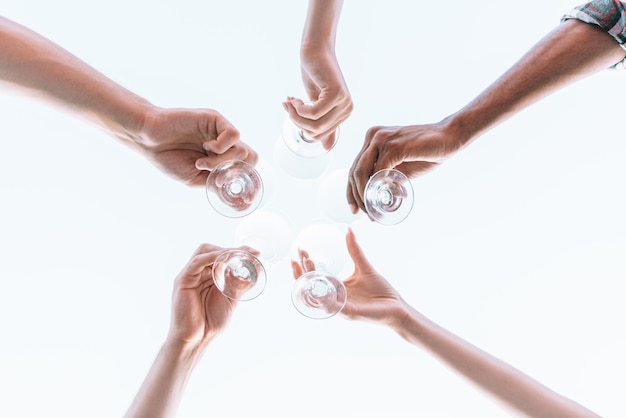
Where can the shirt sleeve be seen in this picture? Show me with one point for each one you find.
(610, 15)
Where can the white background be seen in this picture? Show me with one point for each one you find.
(516, 244)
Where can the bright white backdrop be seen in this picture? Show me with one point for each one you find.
(516, 244)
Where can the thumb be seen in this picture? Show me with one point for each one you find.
(356, 253)
(311, 110)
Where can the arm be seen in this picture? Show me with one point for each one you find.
(330, 101)
(199, 313)
(570, 52)
(507, 384)
(163, 387)
(184, 143)
(372, 298)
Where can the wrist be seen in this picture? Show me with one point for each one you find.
(126, 117)
(407, 322)
(313, 49)
(132, 119)
(459, 127)
(185, 353)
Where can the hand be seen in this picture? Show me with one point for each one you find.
(199, 310)
(330, 101)
(187, 144)
(412, 150)
(370, 296)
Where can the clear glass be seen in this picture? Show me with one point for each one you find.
(297, 141)
(267, 231)
(320, 294)
(234, 188)
(294, 166)
(331, 197)
(389, 197)
(239, 275)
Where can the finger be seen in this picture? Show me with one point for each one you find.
(309, 265)
(352, 194)
(356, 253)
(296, 268)
(354, 207)
(387, 157)
(362, 170)
(206, 248)
(305, 261)
(251, 250)
(316, 109)
(226, 136)
(308, 126)
(237, 152)
(319, 127)
(252, 157)
(329, 141)
(353, 197)
(198, 263)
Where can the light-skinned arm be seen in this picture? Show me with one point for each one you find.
(372, 298)
(573, 50)
(183, 143)
(329, 102)
(199, 313)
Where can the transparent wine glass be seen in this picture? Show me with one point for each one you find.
(239, 275)
(388, 197)
(320, 294)
(267, 231)
(331, 197)
(297, 167)
(234, 188)
(298, 142)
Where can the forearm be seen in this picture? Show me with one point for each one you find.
(32, 62)
(320, 27)
(162, 389)
(570, 52)
(503, 381)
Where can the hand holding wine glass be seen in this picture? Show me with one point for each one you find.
(301, 143)
(199, 309)
(318, 293)
(413, 150)
(368, 295)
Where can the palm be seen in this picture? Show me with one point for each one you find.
(202, 311)
(369, 297)
(216, 308)
(199, 309)
(179, 163)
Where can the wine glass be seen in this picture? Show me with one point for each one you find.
(239, 275)
(267, 231)
(234, 188)
(320, 294)
(388, 197)
(304, 146)
(331, 197)
(308, 169)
